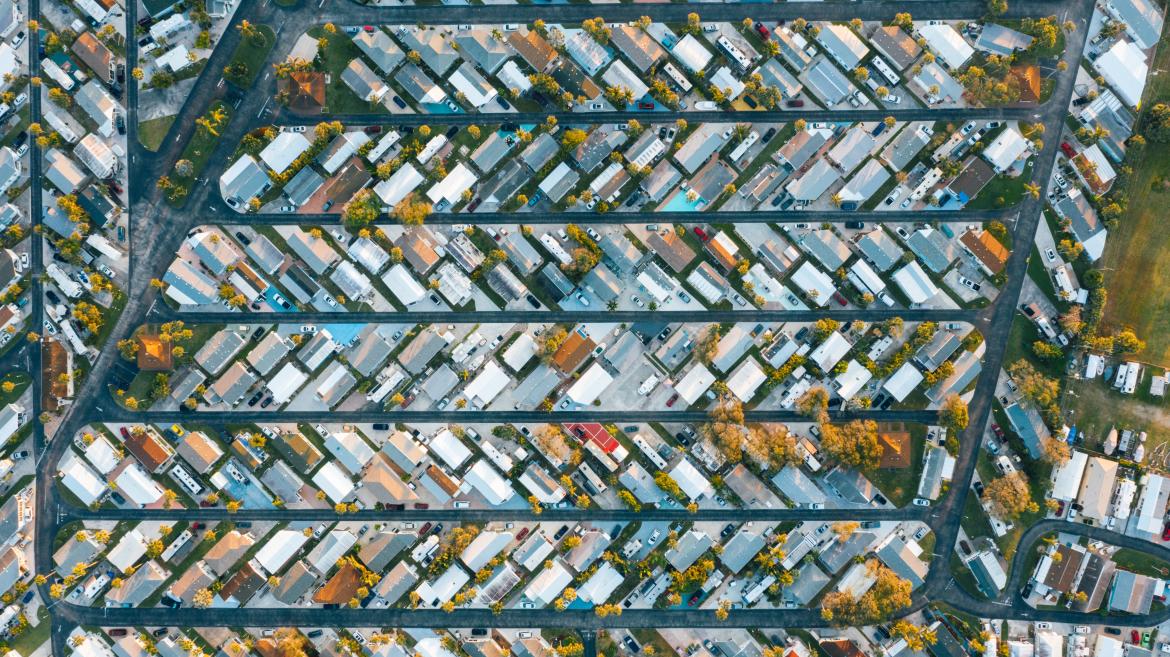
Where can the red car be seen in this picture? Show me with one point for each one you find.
(1135, 637)
(839, 299)
(701, 234)
(1067, 149)
(763, 31)
(521, 534)
(645, 106)
(368, 28)
(1166, 532)
(673, 398)
(998, 431)
(125, 432)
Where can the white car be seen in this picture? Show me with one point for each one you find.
(1050, 254)
(309, 328)
(893, 99)
(109, 273)
(50, 328)
(921, 501)
(20, 100)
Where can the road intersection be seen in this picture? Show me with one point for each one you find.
(158, 229)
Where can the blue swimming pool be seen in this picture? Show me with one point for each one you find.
(679, 203)
(343, 333)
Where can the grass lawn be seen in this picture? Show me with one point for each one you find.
(1137, 271)
(1094, 407)
(335, 56)
(33, 637)
(1003, 191)
(151, 133)
(900, 485)
(253, 55)
(198, 151)
(1141, 563)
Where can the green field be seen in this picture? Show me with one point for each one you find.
(151, 133)
(253, 55)
(1137, 271)
(338, 52)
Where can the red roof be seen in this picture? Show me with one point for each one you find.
(593, 431)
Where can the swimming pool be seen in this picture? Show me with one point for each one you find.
(679, 203)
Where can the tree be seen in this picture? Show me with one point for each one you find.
(814, 404)
(1010, 496)
(854, 444)
(888, 595)
(915, 636)
(362, 209)
(1055, 451)
(845, 529)
(202, 599)
(953, 414)
(1156, 123)
(550, 440)
(549, 342)
(411, 212)
(726, 428)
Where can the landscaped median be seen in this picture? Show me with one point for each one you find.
(177, 184)
(251, 55)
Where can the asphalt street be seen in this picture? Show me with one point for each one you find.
(158, 229)
(163, 312)
(667, 116)
(594, 219)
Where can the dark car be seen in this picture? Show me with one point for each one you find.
(728, 530)
(750, 102)
(768, 135)
(502, 103)
(121, 123)
(854, 225)
(313, 634)
(244, 239)
(795, 102)
(255, 399)
(452, 131)
(372, 129)
(160, 632)
(1113, 630)
(117, 631)
(399, 102)
(381, 426)
(266, 402)
(880, 499)
(979, 488)
(532, 301)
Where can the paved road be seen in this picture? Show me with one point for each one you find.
(647, 514)
(343, 12)
(593, 219)
(166, 227)
(667, 116)
(163, 312)
(495, 417)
